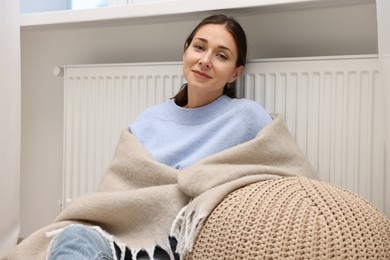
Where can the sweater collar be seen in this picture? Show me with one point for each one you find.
(199, 115)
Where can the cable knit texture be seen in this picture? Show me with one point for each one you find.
(190, 135)
(293, 218)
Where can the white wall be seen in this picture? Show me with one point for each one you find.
(383, 10)
(10, 124)
(296, 32)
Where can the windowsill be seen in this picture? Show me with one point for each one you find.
(145, 11)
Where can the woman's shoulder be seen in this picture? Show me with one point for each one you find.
(252, 112)
(249, 106)
(154, 110)
(150, 115)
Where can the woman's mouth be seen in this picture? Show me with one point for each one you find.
(201, 74)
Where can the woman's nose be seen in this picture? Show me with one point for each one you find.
(205, 61)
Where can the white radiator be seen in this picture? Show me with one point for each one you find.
(331, 105)
(101, 101)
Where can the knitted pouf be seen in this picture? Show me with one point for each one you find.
(293, 218)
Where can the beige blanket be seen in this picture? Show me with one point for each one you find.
(141, 201)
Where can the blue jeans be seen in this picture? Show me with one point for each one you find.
(83, 243)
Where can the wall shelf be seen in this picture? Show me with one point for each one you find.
(169, 8)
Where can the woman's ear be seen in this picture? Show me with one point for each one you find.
(236, 73)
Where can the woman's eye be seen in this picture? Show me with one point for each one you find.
(222, 56)
(199, 47)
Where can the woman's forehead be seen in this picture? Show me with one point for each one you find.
(216, 34)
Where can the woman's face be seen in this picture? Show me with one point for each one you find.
(209, 63)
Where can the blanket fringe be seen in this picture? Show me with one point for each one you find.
(175, 229)
(150, 251)
(186, 228)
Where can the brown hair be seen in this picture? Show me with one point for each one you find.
(235, 29)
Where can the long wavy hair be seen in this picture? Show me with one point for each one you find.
(238, 33)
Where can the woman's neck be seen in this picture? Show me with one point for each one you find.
(201, 99)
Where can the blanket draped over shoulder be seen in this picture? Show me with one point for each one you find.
(141, 202)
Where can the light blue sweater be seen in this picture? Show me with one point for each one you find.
(179, 137)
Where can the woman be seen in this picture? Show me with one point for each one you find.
(204, 118)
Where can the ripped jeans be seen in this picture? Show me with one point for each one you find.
(83, 243)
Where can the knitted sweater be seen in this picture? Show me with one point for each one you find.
(179, 137)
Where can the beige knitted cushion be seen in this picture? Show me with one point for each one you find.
(293, 218)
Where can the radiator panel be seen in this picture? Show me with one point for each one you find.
(331, 106)
(101, 101)
(332, 109)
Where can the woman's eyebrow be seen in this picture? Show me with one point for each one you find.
(219, 46)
